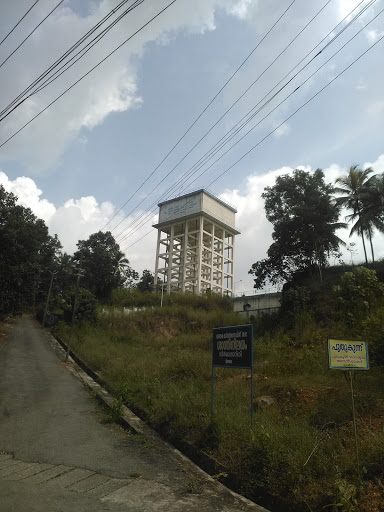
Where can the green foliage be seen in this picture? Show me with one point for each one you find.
(104, 265)
(158, 362)
(146, 283)
(358, 294)
(373, 332)
(27, 254)
(130, 298)
(305, 220)
(347, 495)
(294, 300)
(86, 305)
(363, 195)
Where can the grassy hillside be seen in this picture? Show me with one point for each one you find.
(300, 455)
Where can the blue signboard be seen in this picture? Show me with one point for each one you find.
(232, 347)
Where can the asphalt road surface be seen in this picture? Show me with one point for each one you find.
(56, 454)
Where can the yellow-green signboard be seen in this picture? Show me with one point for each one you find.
(348, 355)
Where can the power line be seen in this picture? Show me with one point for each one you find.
(18, 23)
(29, 35)
(202, 112)
(86, 49)
(21, 97)
(298, 109)
(86, 74)
(139, 240)
(239, 125)
(214, 150)
(217, 122)
(134, 230)
(227, 111)
(281, 124)
(285, 99)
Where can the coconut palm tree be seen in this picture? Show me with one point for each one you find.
(372, 213)
(353, 187)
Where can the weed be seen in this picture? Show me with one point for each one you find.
(158, 361)
(346, 496)
(193, 486)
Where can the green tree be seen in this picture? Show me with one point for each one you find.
(354, 188)
(104, 265)
(86, 305)
(372, 212)
(305, 219)
(27, 253)
(146, 283)
(358, 294)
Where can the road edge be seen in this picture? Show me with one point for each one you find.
(87, 377)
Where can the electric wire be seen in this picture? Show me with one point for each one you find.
(18, 23)
(218, 121)
(270, 133)
(214, 150)
(21, 97)
(287, 97)
(239, 125)
(202, 112)
(86, 49)
(298, 109)
(191, 171)
(277, 127)
(29, 35)
(86, 74)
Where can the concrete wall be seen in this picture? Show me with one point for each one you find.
(218, 210)
(257, 305)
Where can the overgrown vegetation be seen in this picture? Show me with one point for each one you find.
(300, 455)
(157, 360)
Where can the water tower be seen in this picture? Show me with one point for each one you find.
(195, 244)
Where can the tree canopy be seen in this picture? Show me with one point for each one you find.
(305, 220)
(104, 265)
(27, 253)
(363, 195)
(146, 283)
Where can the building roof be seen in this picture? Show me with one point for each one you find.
(199, 192)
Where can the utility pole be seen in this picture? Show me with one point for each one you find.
(49, 295)
(73, 313)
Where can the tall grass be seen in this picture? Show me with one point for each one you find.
(158, 361)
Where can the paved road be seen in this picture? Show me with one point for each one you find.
(55, 455)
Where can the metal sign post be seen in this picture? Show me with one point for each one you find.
(349, 355)
(232, 347)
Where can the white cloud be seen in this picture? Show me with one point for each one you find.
(375, 108)
(76, 219)
(374, 35)
(377, 165)
(346, 6)
(29, 195)
(256, 232)
(110, 88)
(284, 129)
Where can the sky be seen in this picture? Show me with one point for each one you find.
(106, 152)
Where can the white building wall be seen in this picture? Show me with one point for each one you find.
(257, 305)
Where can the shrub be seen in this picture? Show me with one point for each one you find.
(373, 332)
(86, 305)
(358, 294)
(293, 301)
